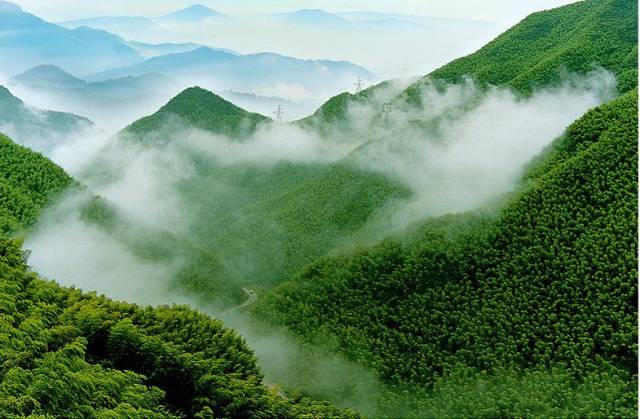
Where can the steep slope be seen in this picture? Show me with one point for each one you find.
(198, 108)
(27, 41)
(34, 128)
(550, 286)
(260, 221)
(28, 183)
(536, 52)
(69, 354)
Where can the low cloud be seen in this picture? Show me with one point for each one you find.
(470, 145)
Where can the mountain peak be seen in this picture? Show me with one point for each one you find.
(192, 13)
(48, 75)
(202, 109)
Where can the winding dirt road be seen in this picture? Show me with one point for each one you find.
(252, 297)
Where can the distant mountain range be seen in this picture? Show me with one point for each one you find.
(153, 50)
(265, 74)
(66, 79)
(26, 41)
(37, 129)
(369, 39)
(115, 101)
(193, 14)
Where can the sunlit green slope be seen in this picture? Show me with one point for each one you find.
(551, 284)
(201, 109)
(68, 354)
(536, 52)
(28, 183)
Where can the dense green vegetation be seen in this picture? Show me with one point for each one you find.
(197, 108)
(28, 183)
(35, 128)
(68, 354)
(258, 223)
(537, 52)
(266, 223)
(542, 48)
(530, 310)
(551, 286)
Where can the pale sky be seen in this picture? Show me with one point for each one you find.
(502, 11)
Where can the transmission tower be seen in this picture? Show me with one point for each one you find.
(359, 85)
(386, 109)
(278, 113)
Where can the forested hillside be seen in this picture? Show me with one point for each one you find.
(257, 222)
(536, 52)
(68, 354)
(29, 182)
(34, 128)
(197, 108)
(547, 293)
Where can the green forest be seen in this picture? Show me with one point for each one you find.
(65, 353)
(524, 307)
(534, 291)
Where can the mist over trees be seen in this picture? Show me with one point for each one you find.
(462, 243)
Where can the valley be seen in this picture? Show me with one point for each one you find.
(461, 243)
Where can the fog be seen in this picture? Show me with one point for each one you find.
(478, 141)
(75, 253)
(466, 147)
(373, 45)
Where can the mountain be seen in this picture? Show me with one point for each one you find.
(327, 35)
(264, 74)
(111, 102)
(538, 295)
(263, 221)
(155, 50)
(135, 27)
(44, 76)
(539, 51)
(192, 14)
(198, 108)
(538, 289)
(577, 38)
(37, 129)
(29, 182)
(27, 41)
(110, 358)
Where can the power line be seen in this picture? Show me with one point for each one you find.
(278, 113)
(359, 85)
